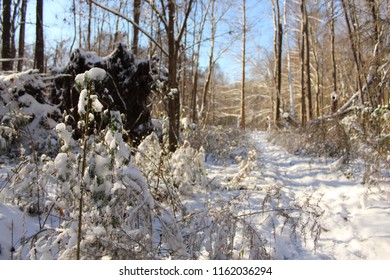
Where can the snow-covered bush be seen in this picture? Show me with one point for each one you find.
(246, 166)
(168, 173)
(217, 232)
(101, 199)
(220, 144)
(24, 107)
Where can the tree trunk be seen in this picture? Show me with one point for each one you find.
(6, 36)
(243, 58)
(302, 56)
(332, 48)
(290, 81)
(22, 33)
(39, 62)
(354, 52)
(204, 105)
(89, 25)
(137, 16)
(307, 62)
(195, 60)
(173, 97)
(278, 43)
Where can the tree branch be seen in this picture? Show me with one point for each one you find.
(160, 15)
(132, 22)
(183, 27)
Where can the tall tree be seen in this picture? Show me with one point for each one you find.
(332, 46)
(243, 62)
(289, 70)
(89, 28)
(278, 43)
(39, 59)
(197, 42)
(22, 33)
(6, 36)
(302, 57)
(173, 50)
(307, 60)
(204, 104)
(354, 47)
(137, 16)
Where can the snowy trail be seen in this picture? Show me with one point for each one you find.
(356, 222)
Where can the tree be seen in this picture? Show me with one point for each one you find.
(213, 30)
(39, 59)
(174, 33)
(243, 58)
(355, 50)
(289, 70)
(198, 29)
(278, 43)
(305, 20)
(173, 50)
(6, 36)
(137, 15)
(217, 14)
(302, 56)
(22, 32)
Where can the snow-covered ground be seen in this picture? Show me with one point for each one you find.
(355, 220)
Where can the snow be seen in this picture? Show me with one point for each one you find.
(354, 223)
(82, 102)
(15, 227)
(96, 74)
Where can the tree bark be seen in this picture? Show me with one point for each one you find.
(243, 60)
(332, 48)
(307, 62)
(302, 56)
(89, 31)
(278, 43)
(173, 50)
(290, 81)
(39, 60)
(22, 33)
(354, 52)
(137, 16)
(6, 36)
(204, 105)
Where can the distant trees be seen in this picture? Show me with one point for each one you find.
(318, 49)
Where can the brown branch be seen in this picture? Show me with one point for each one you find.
(132, 22)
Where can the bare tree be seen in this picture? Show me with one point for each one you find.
(197, 42)
(278, 43)
(7, 64)
(137, 16)
(22, 32)
(173, 50)
(243, 62)
(302, 57)
(289, 70)
(204, 104)
(39, 59)
(305, 20)
(354, 47)
(89, 31)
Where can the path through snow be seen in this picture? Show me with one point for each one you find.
(356, 222)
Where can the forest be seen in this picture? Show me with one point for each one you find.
(182, 129)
